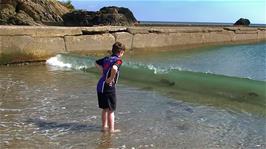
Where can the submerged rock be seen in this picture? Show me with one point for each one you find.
(167, 82)
(253, 94)
(118, 16)
(31, 12)
(242, 21)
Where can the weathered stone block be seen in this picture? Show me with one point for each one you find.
(190, 30)
(262, 35)
(231, 28)
(124, 38)
(213, 29)
(154, 40)
(151, 40)
(189, 39)
(88, 43)
(244, 37)
(175, 30)
(27, 48)
(12, 44)
(103, 29)
(39, 31)
(217, 37)
(35, 45)
(138, 30)
(247, 29)
(246, 32)
(1, 44)
(58, 31)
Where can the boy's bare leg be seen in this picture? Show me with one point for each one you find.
(104, 119)
(111, 121)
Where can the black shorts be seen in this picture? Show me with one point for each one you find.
(107, 101)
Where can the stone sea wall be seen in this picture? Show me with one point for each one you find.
(36, 43)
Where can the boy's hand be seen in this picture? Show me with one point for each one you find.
(109, 81)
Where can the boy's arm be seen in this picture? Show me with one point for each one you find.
(112, 76)
(99, 65)
(99, 68)
(114, 70)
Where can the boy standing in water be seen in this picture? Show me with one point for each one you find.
(109, 70)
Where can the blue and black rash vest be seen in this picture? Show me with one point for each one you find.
(107, 64)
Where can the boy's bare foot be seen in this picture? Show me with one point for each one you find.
(104, 129)
(115, 131)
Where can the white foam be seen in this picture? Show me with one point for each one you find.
(54, 61)
(151, 67)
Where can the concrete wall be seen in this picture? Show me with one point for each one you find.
(27, 43)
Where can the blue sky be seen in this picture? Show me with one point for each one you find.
(223, 11)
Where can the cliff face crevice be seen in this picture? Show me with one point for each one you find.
(31, 12)
(40, 42)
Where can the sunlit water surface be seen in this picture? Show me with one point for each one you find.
(48, 107)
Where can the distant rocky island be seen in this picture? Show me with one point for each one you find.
(242, 22)
(56, 13)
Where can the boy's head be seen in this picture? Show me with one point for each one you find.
(118, 49)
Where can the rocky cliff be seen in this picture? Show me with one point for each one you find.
(31, 12)
(116, 16)
(52, 12)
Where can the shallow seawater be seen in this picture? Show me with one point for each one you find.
(229, 77)
(49, 107)
(243, 61)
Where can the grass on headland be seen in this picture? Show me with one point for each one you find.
(67, 3)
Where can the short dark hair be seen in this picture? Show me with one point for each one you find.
(118, 47)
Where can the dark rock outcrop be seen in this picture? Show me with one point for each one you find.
(115, 16)
(243, 22)
(79, 18)
(105, 16)
(31, 12)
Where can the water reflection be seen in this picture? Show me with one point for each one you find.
(45, 125)
(105, 141)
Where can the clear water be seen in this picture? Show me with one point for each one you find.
(208, 76)
(194, 23)
(47, 107)
(56, 107)
(244, 61)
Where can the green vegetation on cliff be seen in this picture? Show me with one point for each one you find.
(68, 4)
